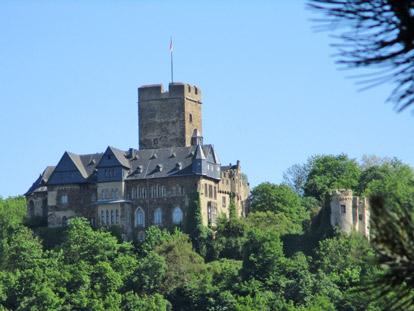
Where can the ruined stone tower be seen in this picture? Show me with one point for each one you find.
(349, 212)
(168, 119)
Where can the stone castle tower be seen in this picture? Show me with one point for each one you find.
(168, 119)
(349, 212)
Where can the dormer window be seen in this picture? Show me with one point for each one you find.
(178, 166)
(159, 167)
(139, 169)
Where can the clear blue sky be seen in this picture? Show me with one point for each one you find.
(272, 95)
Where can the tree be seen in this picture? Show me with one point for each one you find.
(232, 207)
(278, 199)
(262, 256)
(198, 233)
(331, 172)
(392, 231)
(295, 178)
(380, 34)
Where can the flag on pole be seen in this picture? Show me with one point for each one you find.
(171, 46)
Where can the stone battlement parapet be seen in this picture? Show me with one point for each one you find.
(175, 90)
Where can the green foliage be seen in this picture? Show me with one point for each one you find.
(262, 256)
(230, 238)
(331, 172)
(278, 199)
(269, 221)
(13, 212)
(232, 207)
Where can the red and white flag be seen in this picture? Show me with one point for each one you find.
(171, 47)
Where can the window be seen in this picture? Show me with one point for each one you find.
(343, 209)
(215, 193)
(144, 193)
(112, 193)
(93, 198)
(116, 194)
(177, 215)
(139, 218)
(64, 221)
(205, 189)
(158, 191)
(138, 192)
(92, 221)
(212, 213)
(164, 191)
(107, 217)
(64, 199)
(103, 217)
(107, 194)
(360, 216)
(155, 141)
(210, 191)
(182, 190)
(117, 217)
(106, 173)
(224, 201)
(112, 217)
(153, 192)
(191, 118)
(103, 194)
(133, 193)
(158, 217)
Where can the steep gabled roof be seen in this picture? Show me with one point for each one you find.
(78, 162)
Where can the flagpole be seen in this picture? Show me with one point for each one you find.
(172, 67)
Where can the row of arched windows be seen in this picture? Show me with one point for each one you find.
(177, 216)
(110, 217)
(156, 192)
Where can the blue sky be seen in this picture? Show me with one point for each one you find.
(272, 94)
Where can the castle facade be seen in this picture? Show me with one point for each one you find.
(135, 189)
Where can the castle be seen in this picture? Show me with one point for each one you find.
(349, 212)
(135, 189)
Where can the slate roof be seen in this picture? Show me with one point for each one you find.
(40, 183)
(165, 162)
(141, 164)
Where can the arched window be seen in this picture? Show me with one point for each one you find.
(117, 217)
(158, 191)
(138, 192)
(158, 217)
(103, 217)
(64, 221)
(139, 218)
(177, 215)
(144, 193)
(153, 192)
(112, 217)
(133, 193)
(112, 193)
(116, 194)
(107, 217)
(164, 191)
(103, 194)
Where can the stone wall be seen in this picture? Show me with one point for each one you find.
(168, 119)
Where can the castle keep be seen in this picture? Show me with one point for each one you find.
(135, 189)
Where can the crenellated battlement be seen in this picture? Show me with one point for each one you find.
(175, 90)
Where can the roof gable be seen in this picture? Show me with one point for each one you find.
(112, 158)
(69, 170)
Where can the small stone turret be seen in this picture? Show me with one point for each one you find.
(349, 212)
